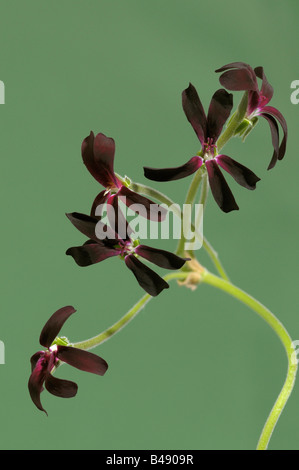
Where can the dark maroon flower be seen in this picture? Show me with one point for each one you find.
(98, 156)
(240, 76)
(208, 129)
(43, 363)
(103, 243)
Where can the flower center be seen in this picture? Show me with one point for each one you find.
(209, 149)
(262, 101)
(127, 247)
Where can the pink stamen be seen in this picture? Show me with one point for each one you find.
(209, 146)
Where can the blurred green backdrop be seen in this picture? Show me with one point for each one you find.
(194, 370)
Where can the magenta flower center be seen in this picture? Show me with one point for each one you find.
(209, 149)
(125, 247)
(49, 357)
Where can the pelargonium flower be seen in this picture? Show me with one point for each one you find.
(98, 156)
(111, 244)
(240, 76)
(208, 129)
(43, 363)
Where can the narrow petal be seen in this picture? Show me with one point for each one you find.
(219, 111)
(98, 156)
(220, 189)
(84, 223)
(266, 89)
(161, 258)
(34, 359)
(91, 253)
(90, 226)
(275, 139)
(148, 208)
(240, 173)
(194, 112)
(150, 281)
(175, 173)
(117, 220)
(60, 388)
(98, 203)
(54, 325)
(277, 115)
(233, 65)
(253, 101)
(83, 360)
(35, 384)
(242, 77)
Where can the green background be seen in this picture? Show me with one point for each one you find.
(194, 370)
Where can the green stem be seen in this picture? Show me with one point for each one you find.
(202, 201)
(234, 122)
(214, 256)
(99, 339)
(153, 193)
(256, 306)
(204, 190)
(284, 337)
(190, 198)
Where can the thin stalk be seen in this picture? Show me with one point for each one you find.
(202, 201)
(190, 198)
(162, 198)
(120, 324)
(234, 122)
(285, 339)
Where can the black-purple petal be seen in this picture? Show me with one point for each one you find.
(275, 138)
(60, 387)
(219, 187)
(279, 117)
(195, 113)
(91, 253)
(98, 156)
(219, 111)
(117, 219)
(34, 359)
(266, 88)
(162, 258)
(241, 174)
(150, 281)
(98, 203)
(175, 173)
(144, 206)
(240, 77)
(54, 325)
(87, 225)
(35, 384)
(83, 360)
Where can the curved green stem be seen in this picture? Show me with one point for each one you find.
(99, 339)
(215, 258)
(153, 193)
(255, 305)
(284, 337)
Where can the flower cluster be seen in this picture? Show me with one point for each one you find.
(240, 76)
(236, 76)
(208, 129)
(43, 363)
(95, 250)
(116, 238)
(98, 156)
